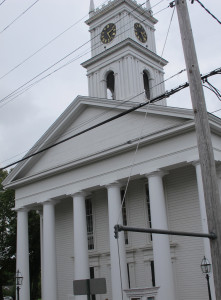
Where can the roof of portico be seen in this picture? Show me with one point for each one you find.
(21, 175)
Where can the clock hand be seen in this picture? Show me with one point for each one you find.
(108, 33)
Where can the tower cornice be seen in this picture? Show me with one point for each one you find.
(122, 45)
(100, 12)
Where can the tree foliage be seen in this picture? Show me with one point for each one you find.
(7, 235)
(8, 242)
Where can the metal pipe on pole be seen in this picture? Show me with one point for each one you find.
(206, 155)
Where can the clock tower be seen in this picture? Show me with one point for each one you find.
(124, 64)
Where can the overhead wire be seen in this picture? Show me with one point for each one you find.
(213, 89)
(158, 98)
(25, 89)
(174, 74)
(168, 31)
(100, 114)
(45, 45)
(76, 49)
(19, 16)
(138, 142)
(2, 2)
(207, 10)
(41, 48)
(161, 10)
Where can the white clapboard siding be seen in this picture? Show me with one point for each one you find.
(184, 215)
(101, 228)
(101, 138)
(64, 248)
(136, 212)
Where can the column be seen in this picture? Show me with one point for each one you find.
(49, 252)
(22, 261)
(207, 251)
(119, 278)
(161, 244)
(81, 260)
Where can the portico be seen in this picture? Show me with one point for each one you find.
(160, 247)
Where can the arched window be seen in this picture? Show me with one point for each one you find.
(110, 85)
(146, 84)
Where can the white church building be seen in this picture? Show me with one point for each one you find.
(141, 170)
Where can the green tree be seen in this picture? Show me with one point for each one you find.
(8, 242)
(7, 235)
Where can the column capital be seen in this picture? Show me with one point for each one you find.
(158, 173)
(51, 201)
(79, 193)
(195, 163)
(114, 184)
(22, 209)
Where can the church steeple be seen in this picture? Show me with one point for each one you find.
(91, 8)
(148, 7)
(124, 64)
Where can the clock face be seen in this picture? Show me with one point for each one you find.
(140, 32)
(108, 33)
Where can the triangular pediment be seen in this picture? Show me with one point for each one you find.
(108, 139)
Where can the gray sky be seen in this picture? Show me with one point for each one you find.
(24, 119)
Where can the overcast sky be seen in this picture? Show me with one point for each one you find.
(25, 118)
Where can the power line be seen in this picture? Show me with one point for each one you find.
(212, 112)
(2, 2)
(18, 89)
(168, 31)
(18, 17)
(102, 114)
(167, 94)
(158, 98)
(207, 10)
(41, 48)
(45, 45)
(161, 10)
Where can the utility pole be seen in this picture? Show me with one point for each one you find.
(206, 155)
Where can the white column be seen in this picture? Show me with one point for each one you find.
(207, 251)
(119, 278)
(49, 252)
(81, 260)
(22, 261)
(161, 244)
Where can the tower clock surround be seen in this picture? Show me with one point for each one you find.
(140, 32)
(108, 33)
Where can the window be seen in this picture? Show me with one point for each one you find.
(146, 84)
(148, 209)
(124, 216)
(128, 274)
(89, 219)
(152, 272)
(110, 85)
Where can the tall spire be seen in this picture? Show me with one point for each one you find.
(91, 9)
(148, 4)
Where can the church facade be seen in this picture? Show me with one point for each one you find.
(140, 170)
